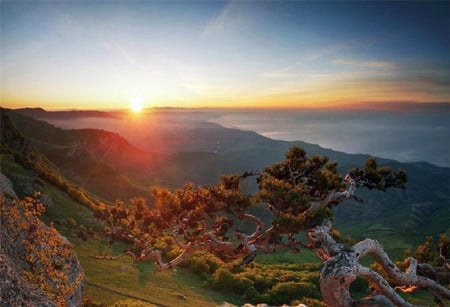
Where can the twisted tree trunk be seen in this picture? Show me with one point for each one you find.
(341, 267)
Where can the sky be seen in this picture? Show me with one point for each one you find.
(105, 54)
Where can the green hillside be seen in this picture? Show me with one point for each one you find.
(88, 168)
(88, 157)
(110, 281)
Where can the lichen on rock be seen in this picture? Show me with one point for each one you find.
(35, 256)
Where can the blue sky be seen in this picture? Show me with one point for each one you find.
(103, 54)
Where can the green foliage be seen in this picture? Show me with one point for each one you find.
(258, 283)
(203, 263)
(272, 284)
(287, 292)
(292, 186)
(374, 177)
(223, 280)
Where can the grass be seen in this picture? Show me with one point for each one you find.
(111, 281)
(64, 208)
(9, 166)
(285, 256)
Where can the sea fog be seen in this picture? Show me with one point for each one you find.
(406, 136)
(403, 135)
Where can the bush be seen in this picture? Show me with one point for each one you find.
(223, 280)
(199, 267)
(72, 223)
(242, 284)
(287, 292)
(203, 263)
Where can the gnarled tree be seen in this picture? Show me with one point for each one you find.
(301, 192)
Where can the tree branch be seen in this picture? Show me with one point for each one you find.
(410, 278)
(382, 286)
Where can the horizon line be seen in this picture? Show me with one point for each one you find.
(394, 106)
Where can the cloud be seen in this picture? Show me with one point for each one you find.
(318, 53)
(285, 72)
(371, 64)
(218, 23)
(330, 49)
(113, 46)
(359, 86)
(234, 18)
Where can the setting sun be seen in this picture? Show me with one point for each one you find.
(136, 104)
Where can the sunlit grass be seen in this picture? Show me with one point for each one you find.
(285, 256)
(110, 281)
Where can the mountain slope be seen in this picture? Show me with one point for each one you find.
(400, 218)
(84, 156)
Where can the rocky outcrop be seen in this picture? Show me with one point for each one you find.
(6, 186)
(23, 256)
(15, 289)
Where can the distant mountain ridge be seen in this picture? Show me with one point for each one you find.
(92, 157)
(42, 113)
(106, 164)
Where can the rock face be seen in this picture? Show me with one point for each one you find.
(15, 288)
(6, 186)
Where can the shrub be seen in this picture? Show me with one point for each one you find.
(203, 263)
(287, 292)
(242, 284)
(223, 280)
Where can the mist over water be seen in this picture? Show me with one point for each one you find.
(406, 136)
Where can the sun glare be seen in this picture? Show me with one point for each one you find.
(136, 104)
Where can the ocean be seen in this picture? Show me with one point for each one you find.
(406, 136)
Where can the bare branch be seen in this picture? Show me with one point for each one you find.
(410, 278)
(257, 221)
(125, 253)
(382, 286)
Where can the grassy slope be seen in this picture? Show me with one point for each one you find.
(110, 281)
